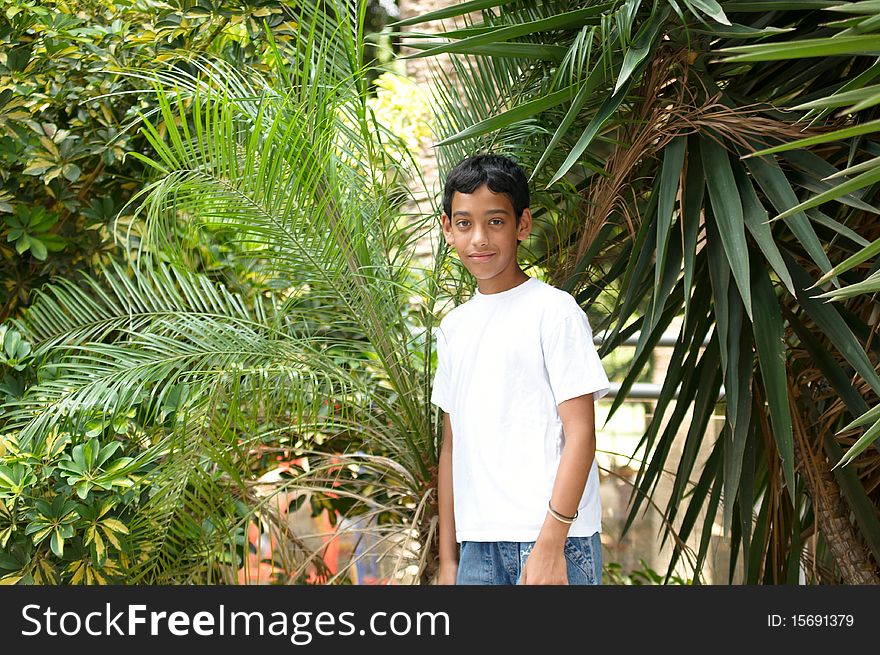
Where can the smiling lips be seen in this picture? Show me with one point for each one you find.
(481, 256)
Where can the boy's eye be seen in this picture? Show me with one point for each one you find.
(462, 223)
(497, 220)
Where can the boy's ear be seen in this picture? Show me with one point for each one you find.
(525, 225)
(447, 228)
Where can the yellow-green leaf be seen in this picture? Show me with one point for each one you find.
(115, 525)
(112, 538)
(11, 579)
(99, 546)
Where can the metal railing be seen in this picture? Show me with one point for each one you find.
(647, 390)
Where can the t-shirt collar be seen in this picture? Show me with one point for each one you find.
(507, 293)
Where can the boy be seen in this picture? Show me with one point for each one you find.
(517, 376)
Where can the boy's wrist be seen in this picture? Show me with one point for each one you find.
(449, 555)
(553, 533)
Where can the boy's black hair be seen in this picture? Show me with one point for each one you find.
(502, 175)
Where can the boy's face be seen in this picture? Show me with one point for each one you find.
(484, 233)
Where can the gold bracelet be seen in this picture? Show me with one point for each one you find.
(561, 517)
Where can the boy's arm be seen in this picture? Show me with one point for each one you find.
(448, 545)
(546, 563)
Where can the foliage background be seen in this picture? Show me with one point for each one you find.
(127, 485)
(641, 124)
(213, 201)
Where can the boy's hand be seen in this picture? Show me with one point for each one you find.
(544, 566)
(447, 573)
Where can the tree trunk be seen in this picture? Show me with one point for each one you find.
(853, 559)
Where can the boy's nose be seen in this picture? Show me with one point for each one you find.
(480, 238)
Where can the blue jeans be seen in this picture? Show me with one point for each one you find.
(501, 562)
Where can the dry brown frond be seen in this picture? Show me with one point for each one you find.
(673, 103)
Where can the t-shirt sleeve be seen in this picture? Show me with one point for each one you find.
(571, 360)
(441, 392)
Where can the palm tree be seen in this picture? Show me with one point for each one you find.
(708, 164)
(329, 359)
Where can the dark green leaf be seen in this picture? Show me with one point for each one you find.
(728, 212)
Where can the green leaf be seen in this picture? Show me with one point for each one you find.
(121, 464)
(17, 59)
(111, 536)
(836, 135)
(571, 19)
(870, 101)
(756, 218)
(769, 334)
(458, 9)
(99, 544)
(40, 220)
(869, 7)
(823, 219)
(832, 324)
(840, 99)
(10, 343)
(739, 412)
(711, 9)
(827, 47)
(38, 250)
(596, 78)
(38, 167)
(107, 452)
(83, 488)
(670, 176)
(694, 190)
(735, 31)
(518, 113)
(863, 255)
(606, 111)
(22, 244)
(869, 437)
(640, 48)
(719, 277)
(728, 212)
(857, 82)
(778, 191)
(516, 50)
(858, 182)
(150, 162)
(870, 416)
(71, 172)
(869, 285)
(857, 168)
(53, 242)
(57, 543)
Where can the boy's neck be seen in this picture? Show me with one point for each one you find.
(502, 282)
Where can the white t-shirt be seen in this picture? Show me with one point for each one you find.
(505, 361)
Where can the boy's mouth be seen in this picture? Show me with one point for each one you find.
(481, 257)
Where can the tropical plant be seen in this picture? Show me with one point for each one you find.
(328, 363)
(710, 163)
(645, 575)
(66, 109)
